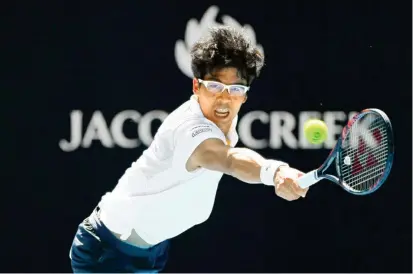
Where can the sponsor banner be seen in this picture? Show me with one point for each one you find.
(277, 129)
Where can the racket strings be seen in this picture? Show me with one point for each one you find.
(378, 153)
(377, 170)
(364, 153)
(353, 152)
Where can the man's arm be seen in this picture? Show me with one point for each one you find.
(241, 163)
(245, 165)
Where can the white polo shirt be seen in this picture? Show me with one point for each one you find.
(157, 196)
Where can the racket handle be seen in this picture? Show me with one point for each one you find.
(308, 179)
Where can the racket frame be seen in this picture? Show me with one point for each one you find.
(318, 174)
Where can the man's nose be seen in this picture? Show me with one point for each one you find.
(225, 94)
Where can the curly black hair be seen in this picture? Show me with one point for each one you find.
(224, 47)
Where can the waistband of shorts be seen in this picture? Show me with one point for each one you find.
(106, 235)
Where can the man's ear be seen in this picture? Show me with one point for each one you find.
(195, 86)
(245, 98)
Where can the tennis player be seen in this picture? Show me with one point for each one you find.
(172, 186)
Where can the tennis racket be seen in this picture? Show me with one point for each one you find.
(363, 155)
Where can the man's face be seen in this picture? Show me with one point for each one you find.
(220, 107)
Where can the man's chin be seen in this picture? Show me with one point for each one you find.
(223, 122)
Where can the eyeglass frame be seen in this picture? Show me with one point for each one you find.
(226, 87)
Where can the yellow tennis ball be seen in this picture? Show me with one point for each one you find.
(315, 131)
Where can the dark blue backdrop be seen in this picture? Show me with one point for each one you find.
(320, 56)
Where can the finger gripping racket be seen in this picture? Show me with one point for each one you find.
(363, 155)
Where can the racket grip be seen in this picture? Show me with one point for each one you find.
(308, 179)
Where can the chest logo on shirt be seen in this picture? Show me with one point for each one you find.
(198, 131)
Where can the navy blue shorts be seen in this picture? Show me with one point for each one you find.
(96, 249)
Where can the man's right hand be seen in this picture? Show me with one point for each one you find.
(286, 186)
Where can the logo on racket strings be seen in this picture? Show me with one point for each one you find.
(363, 139)
(195, 30)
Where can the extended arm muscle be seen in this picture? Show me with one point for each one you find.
(241, 163)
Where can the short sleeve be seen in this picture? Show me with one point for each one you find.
(188, 137)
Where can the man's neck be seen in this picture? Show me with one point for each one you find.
(224, 128)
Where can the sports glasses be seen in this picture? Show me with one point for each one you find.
(217, 87)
